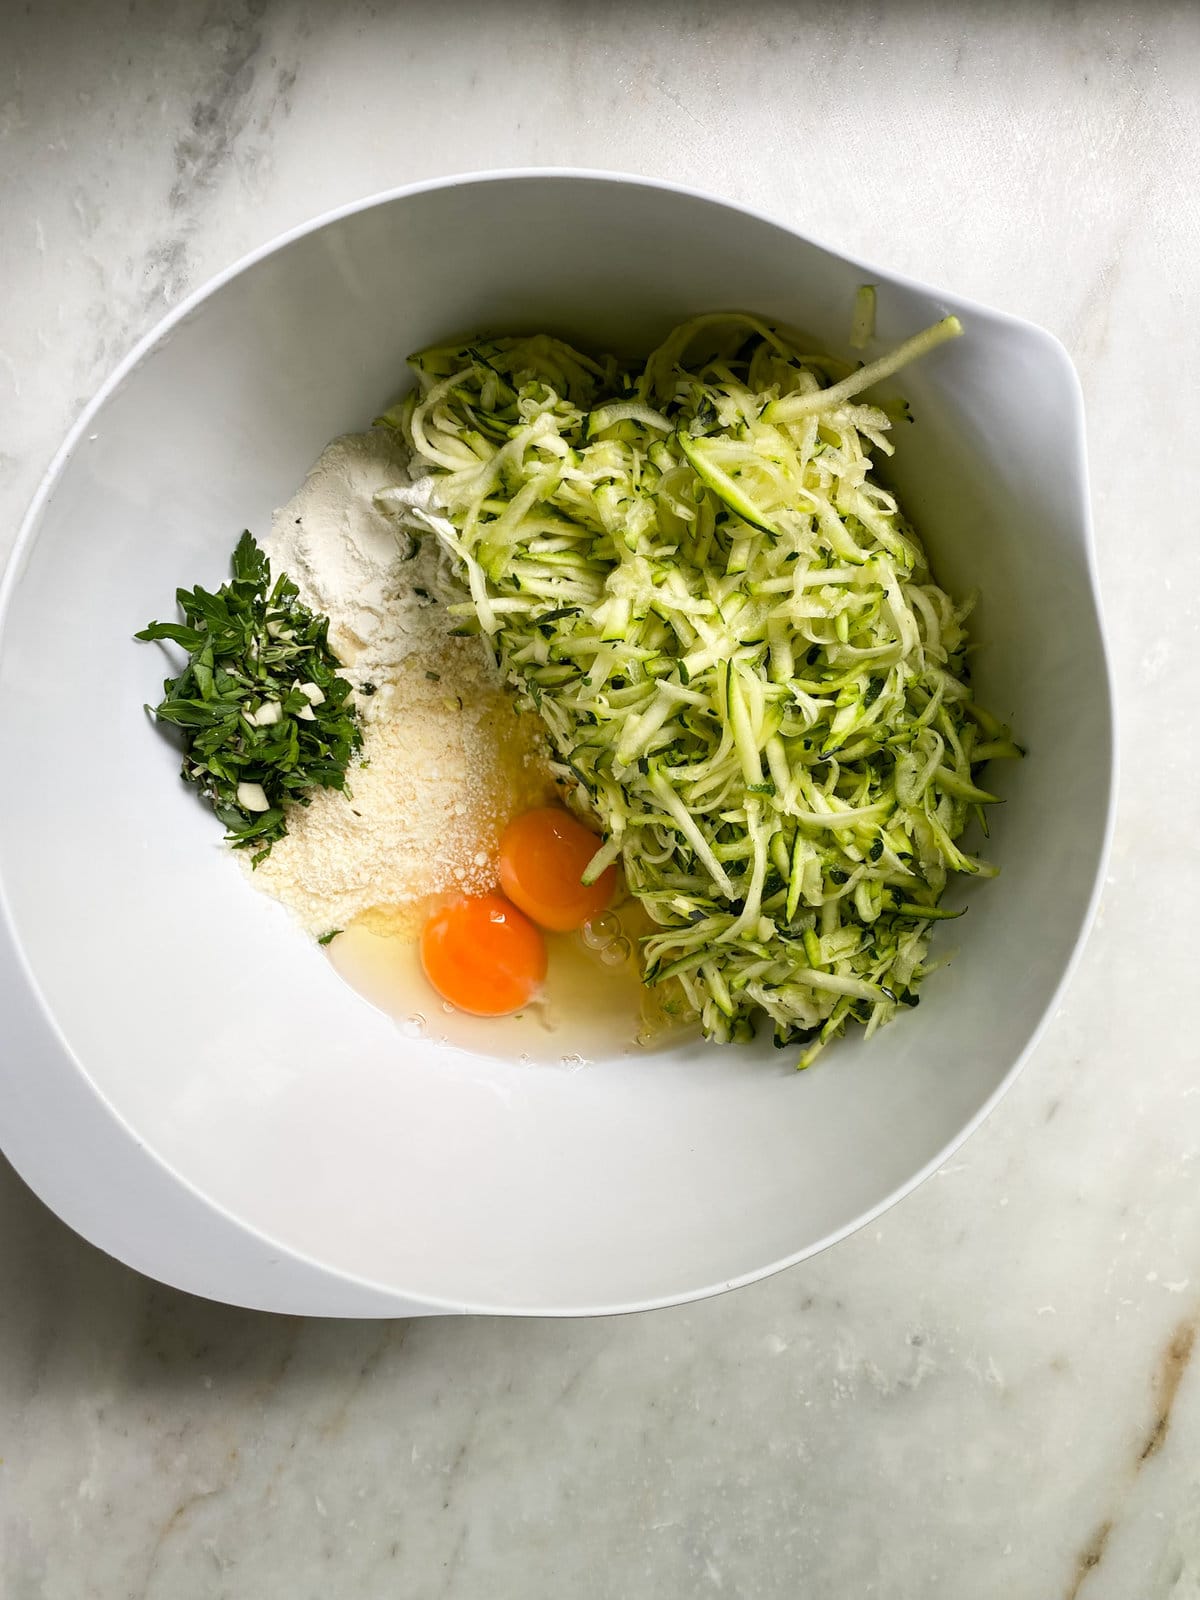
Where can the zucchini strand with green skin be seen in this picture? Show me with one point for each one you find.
(748, 674)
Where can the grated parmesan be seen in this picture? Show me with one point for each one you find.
(446, 761)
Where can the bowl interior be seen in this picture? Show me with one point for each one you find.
(223, 1038)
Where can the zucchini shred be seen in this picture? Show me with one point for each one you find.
(748, 675)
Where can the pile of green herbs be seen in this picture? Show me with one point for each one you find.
(266, 720)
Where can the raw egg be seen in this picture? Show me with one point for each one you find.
(543, 854)
(483, 955)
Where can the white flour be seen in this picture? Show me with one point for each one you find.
(356, 564)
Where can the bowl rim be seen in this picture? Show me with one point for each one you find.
(407, 1302)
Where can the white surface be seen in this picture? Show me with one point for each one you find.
(310, 1118)
(956, 1401)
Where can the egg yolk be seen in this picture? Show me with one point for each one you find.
(543, 854)
(480, 953)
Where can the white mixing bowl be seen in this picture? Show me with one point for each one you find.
(184, 1078)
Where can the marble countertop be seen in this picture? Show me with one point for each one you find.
(987, 1394)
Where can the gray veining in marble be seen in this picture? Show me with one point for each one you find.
(989, 1394)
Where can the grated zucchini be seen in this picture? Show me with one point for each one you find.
(749, 675)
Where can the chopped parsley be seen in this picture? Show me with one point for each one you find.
(266, 719)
